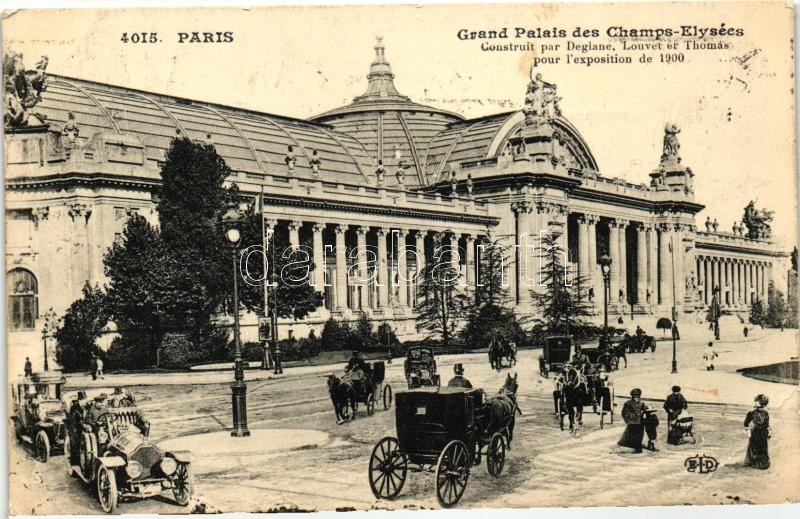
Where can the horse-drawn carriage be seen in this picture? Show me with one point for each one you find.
(577, 390)
(500, 350)
(420, 367)
(639, 343)
(556, 352)
(359, 386)
(445, 430)
(602, 356)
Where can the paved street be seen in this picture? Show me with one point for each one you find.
(324, 465)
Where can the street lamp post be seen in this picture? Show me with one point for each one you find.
(674, 311)
(231, 222)
(605, 265)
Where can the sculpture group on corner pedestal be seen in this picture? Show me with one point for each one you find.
(23, 90)
(757, 221)
(541, 102)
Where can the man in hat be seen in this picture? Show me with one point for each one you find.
(459, 380)
(674, 405)
(28, 367)
(709, 357)
(356, 367)
(98, 408)
(580, 360)
(633, 414)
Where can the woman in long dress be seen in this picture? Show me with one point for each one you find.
(632, 414)
(757, 423)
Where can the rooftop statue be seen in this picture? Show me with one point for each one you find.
(541, 101)
(23, 88)
(671, 145)
(757, 221)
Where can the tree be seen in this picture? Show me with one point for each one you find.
(664, 324)
(563, 302)
(440, 305)
(756, 312)
(777, 314)
(84, 323)
(364, 333)
(140, 270)
(489, 323)
(490, 288)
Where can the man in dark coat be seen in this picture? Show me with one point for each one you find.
(459, 380)
(674, 405)
(632, 414)
(580, 360)
(651, 428)
(28, 367)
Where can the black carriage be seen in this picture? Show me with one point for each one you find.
(39, 414)
(441, 430)
(371, 388)
(602, 357)
(556, 352)
(500, 350)
(420, 367)
(640, 343)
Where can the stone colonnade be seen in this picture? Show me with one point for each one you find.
(376, 276)
(741, 281)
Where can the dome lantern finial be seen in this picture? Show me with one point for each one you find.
(380, 77)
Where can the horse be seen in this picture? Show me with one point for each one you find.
(342, 395)
(576, 390)
(502, 408)
(499, 350)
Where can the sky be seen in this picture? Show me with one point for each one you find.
(735, 107)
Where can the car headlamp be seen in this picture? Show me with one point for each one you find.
(134, 469)
(102, 436)
(169, 466)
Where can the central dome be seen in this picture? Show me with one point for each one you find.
(392, 127)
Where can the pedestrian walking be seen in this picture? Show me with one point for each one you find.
(745, 331)
(651, 422)
(93, 367)
(28, 367)
(756, 424)
(100, 368)
(709, 357)
(632, 414)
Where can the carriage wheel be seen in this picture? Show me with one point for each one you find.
(561, 414)
(614, 363)
(107, 489)
(42, 446)
(387, 397)
(653, 346)
(388, 467)
(602, 411)
(611, 405)
(496, 455)
(452, 473)
(371, 404)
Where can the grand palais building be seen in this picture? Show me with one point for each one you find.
(380, 172)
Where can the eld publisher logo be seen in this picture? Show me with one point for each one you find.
(701, 464)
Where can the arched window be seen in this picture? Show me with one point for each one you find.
(23, 304)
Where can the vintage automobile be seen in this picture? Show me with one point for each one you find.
(420, 367)
(111, 450)
(556, 351)
(39, 414)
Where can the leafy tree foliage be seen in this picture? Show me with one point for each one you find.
(84, 323)
(492, 262)
(757, 312)
(664, 324)
(563, 301)
(489, 323)
(366, 337)
(441, 306)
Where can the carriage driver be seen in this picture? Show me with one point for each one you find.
(357, 368)
(580, 360)
(459, 380)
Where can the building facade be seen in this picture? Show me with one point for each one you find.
(385, 177)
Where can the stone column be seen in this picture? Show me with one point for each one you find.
(709, 280)
(469, 265)
(341, 268)
(583, 247)
(524, 262)
(319, 257)
(591, 271)
(641, 264)
(363, 274)
(746, 282)
(701, 278)
(294, 233)
(739, 281)
(402, 269)
(623, 263)
(664, 266)
(613, 250)
(652, 237)
(680, 258)
(383, 282)
(455, 261)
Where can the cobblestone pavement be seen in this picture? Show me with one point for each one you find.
(545, 466)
